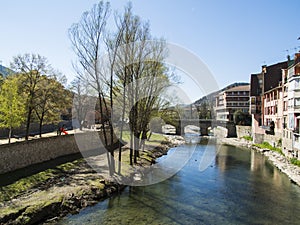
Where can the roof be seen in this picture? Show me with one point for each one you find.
(273, 75)
(240, 88)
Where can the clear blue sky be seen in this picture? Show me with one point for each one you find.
(232, 37)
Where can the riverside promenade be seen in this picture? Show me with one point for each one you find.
(50, 134)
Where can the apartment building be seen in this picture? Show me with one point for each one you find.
(231, 100)
(273, 110)
(291, 108)
(266, 101)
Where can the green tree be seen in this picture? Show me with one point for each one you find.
(30, 69)
(241, 118)
(51, 100)
(12, 108)
(204, 110)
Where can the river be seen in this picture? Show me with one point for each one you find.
(239, 187)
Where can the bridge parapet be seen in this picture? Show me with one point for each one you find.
(205, 124)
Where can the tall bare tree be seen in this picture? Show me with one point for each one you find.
(87, 39)
(138, 63)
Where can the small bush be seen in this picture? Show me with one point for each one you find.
(248, 138)
(267, 145)
(295, 161)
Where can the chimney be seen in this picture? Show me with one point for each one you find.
(264, 68)
(297, 58)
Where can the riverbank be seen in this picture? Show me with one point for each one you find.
(277, 159)
(54, 193)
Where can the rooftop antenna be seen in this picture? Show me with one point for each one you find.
(287, 51)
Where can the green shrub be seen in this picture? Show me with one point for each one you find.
(267, 145)
(248, 138)
(295, 161)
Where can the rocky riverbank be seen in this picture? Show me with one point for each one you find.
(277, 159)
(54, 193)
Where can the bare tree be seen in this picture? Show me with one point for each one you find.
(80, 100)
(87, 39)
(138, 63)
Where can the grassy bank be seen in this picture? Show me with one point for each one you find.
(267, 145)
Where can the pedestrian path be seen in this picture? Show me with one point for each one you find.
(50, 134)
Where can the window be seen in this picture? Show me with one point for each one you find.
(291, 121)
(297, 102)
(297, 84)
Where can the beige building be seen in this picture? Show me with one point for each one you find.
(291, 114)
(266, 102)
(231, 100)
(273, 109)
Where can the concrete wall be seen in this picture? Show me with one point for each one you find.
(21, 154)
(272, 139)
(260, 138)
(220, 132)
(242, 131)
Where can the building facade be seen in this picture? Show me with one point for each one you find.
(266, 104)
(291, 107)
(231, 100)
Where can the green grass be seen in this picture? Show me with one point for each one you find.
(267, 145)
(154, 137)
(295, 161)
(12, 190)
(157, 137)
(248, 138)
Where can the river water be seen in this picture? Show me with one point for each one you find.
(239, 187)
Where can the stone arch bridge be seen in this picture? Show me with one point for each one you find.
(204, 124)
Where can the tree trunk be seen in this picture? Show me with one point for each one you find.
(41, 125)
(28, 124)
(9, 134)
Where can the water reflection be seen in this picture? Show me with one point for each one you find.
(239, 187)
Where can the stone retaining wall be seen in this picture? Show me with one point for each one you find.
(272, 139)
(220, 132)
(21, 154)
(242, 131)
